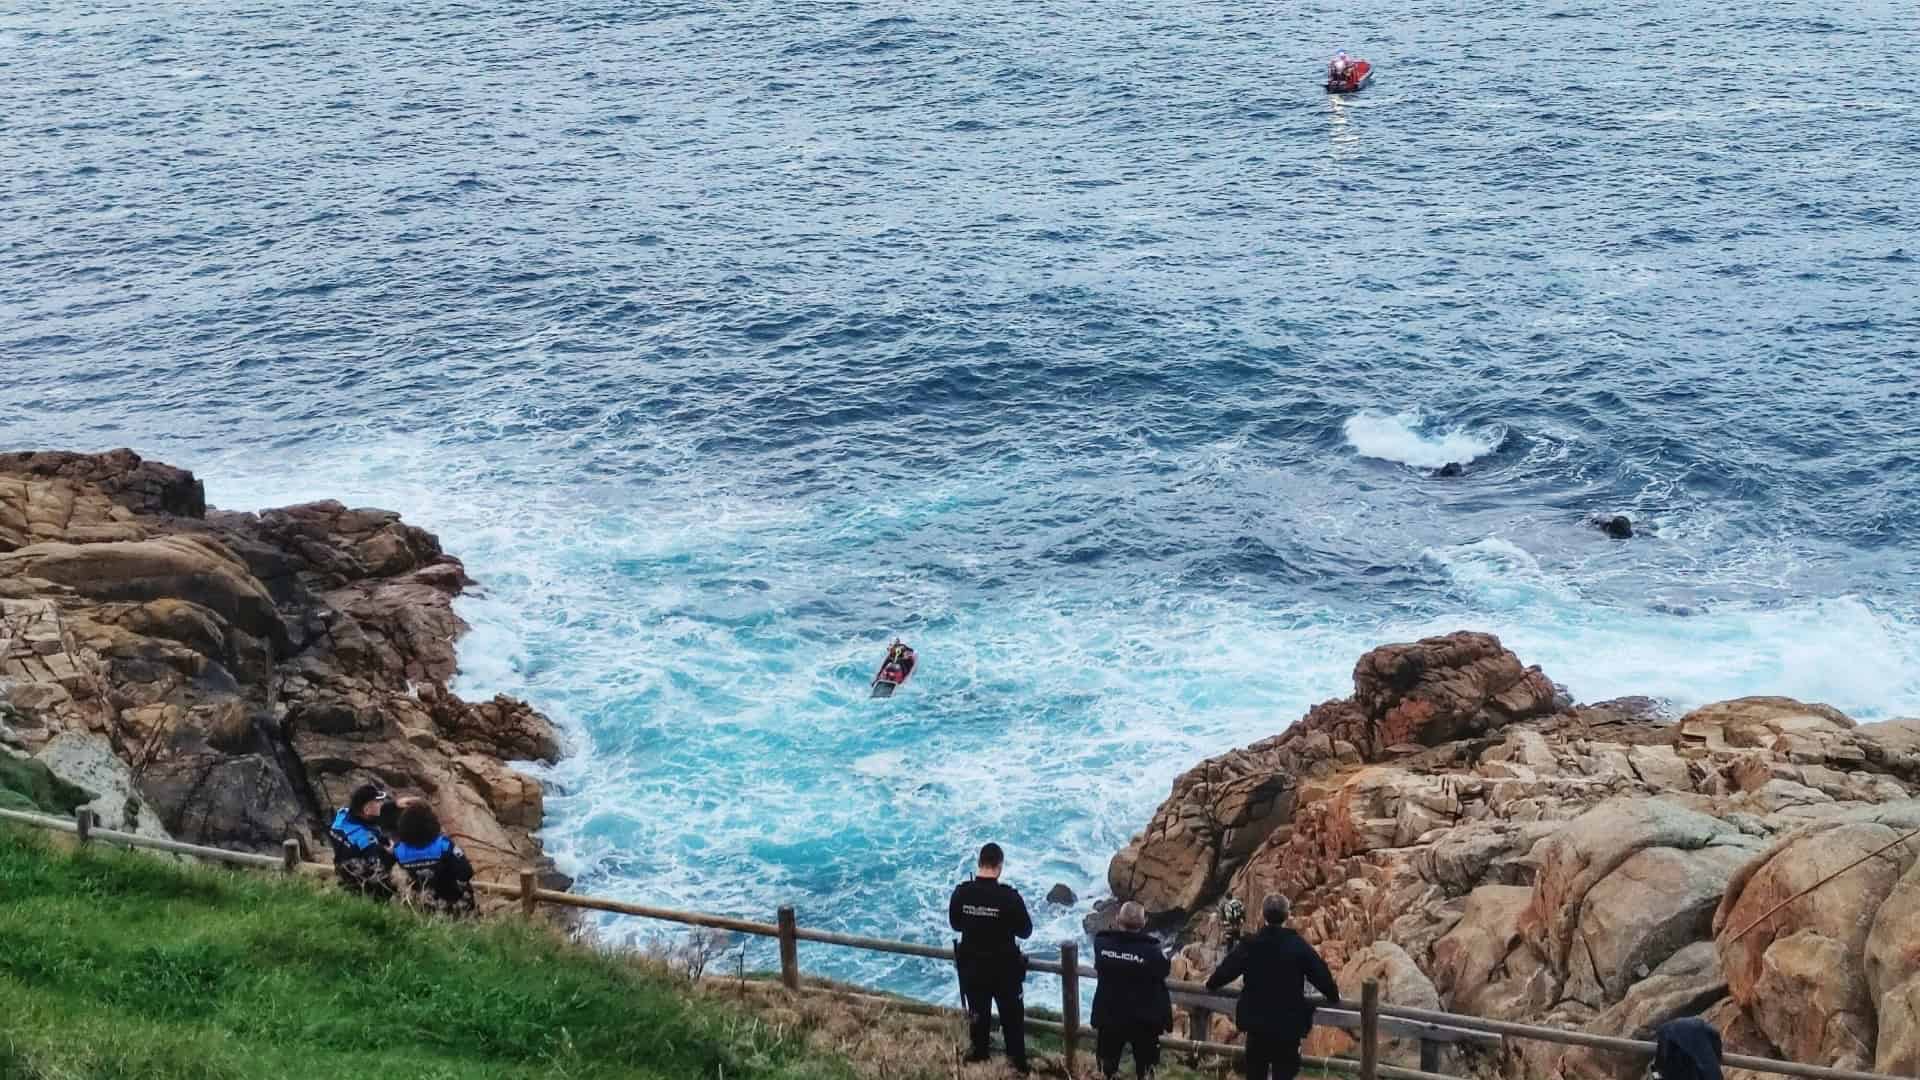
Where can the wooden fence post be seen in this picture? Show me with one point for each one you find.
(1370, 1030)
(789, 949)
(529, 888)
(1070, 999)
(290, 855)
(1199, 1025)
(83, 824)
(1429, 1056)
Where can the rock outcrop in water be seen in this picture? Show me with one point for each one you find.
(228, 678)
(1456, 832)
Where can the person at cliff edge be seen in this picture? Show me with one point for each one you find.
(439, 873)
(1274, 1010)
(993, 970)
(1131, 1006)
(362, 854)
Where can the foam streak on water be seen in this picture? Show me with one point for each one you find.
(1094, 351)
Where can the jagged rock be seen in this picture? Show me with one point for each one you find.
(1801, 971)
(249, 669)
(1893, 976)
(1578, 858)
(1573, 867)
(1401, 983)
(1686, 984)
(1224, 809)
(1650, 907)
(1061, 896)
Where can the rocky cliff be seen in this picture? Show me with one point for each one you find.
(229, 678)
(1461, 833)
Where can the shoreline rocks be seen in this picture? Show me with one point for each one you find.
(1463, 835)
(227, 678)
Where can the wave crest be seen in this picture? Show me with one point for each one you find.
(1404, 437)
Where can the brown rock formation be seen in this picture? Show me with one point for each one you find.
(249, 670)
(1405, 696)
(1577, 866)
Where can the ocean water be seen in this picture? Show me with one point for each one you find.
(1088, 346)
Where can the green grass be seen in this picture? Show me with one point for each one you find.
(116, 964)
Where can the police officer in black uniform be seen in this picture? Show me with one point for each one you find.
(1131, 1006)
(990, 916)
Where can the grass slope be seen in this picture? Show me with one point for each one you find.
(120, 965)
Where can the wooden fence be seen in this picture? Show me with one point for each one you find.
(1371, 1018)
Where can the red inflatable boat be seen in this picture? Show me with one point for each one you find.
(1358, 74)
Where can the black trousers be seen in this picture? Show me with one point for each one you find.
(1004, 990)
(1273, 1055)
(1145, 1040)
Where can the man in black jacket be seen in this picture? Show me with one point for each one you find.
(1131, 1005)
(1274, 1010)
(989, 916)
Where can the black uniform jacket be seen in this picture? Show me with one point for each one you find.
(1276, 963)
(1131, 991)
(989, 916)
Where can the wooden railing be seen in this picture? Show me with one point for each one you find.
(1371, 1018)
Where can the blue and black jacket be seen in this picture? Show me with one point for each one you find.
(440, 871)
(362, 855)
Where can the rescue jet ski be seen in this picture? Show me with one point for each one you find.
(894, 670)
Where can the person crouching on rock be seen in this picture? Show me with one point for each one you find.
(437, 870)
(362, 854)
(1131, 1006)
(1273, 1009)
(993, 970)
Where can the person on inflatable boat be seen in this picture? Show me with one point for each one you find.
(1338, 67)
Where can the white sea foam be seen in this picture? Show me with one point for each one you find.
(1408, 438)
(725, 756)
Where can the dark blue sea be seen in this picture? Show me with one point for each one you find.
(1089, 346)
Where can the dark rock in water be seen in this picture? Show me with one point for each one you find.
(1101, 917)
(1450, 469)
(1618, 526)
(1632, 707)
(1062, 896)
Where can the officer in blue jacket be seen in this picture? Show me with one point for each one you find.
(438, 871)
(362, 854)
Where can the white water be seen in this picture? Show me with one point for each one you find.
(1408, 438)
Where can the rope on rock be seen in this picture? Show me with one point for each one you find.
(1775, 909)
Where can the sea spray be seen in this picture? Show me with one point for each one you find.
(1408, 438)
